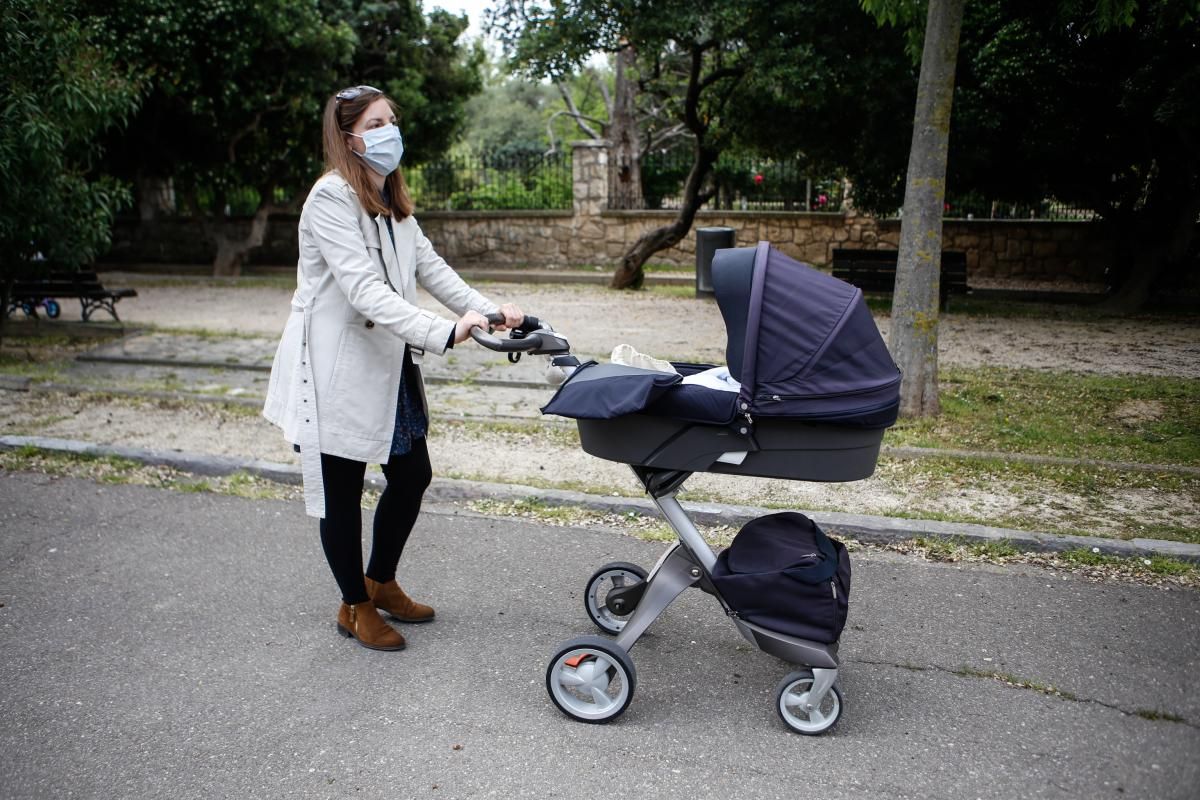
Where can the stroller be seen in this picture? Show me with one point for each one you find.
(817, 390)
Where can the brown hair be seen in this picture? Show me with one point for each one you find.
(340, 116)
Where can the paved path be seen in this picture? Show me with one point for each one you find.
(155, 644)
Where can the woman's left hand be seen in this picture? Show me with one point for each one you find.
(513, 316)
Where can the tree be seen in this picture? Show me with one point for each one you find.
(1097, 110)
(232, 111)
(61, 91)
(707, 65)
(419, 61)
(232, 115)
(915, 302)
(914, 334)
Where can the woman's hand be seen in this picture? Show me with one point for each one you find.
(513, 316)
(471, 319)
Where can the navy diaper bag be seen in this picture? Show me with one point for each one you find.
(782, 572)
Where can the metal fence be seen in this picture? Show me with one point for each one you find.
(972, 206)
(492, 182)
(742, 184)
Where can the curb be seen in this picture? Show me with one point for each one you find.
(879, 530)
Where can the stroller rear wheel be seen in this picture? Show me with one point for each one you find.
(796, 709)
(591, 679)
(616, 576)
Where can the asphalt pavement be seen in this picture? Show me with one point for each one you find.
(157, 644)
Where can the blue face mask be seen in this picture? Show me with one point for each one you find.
(385, 147)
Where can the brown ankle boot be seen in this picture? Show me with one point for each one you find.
(362, 622)
(391, 598)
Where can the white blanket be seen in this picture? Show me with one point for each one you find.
(715, 378)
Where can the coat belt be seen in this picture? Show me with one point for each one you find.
(309, 434)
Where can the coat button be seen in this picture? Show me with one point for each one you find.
(370, 324)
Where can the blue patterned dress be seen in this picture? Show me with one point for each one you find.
(411, 422)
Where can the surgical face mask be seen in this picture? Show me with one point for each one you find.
(384, 149)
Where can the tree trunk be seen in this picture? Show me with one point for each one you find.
(156, 197)
(629, 274)
(914, 328)
(1157, 240)
(624, 155)
(6, 282)
(231, 253)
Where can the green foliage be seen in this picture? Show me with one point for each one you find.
(233, 91)
(493, 181)
(418, 61)
(1095, 103)
(509, 112)
(61, 90)
(236, 90)
(541, 190)
(774, 79)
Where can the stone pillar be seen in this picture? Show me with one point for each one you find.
(589, 176)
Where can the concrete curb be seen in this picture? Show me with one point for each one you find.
(865, 528)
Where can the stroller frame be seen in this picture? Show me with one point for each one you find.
(592, 678)
(688, 563)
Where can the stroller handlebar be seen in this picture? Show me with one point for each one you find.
(531, 336)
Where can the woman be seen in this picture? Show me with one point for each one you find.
(345, 386)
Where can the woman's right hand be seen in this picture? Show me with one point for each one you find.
(471, 319)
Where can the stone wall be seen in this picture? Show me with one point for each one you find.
(591, 235)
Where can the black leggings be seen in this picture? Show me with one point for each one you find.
(408, 477)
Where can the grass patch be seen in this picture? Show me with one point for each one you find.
(1161, 571)
(1140, 419)
(121, 471)
(1015, 682)
(281, 281)
(533, 434)
(647, 528)
(672, 290)
(1158, 716)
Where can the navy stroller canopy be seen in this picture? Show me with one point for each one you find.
(802, 343)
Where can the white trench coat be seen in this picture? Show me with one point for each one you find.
(336, 376)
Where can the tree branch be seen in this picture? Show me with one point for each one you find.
(574, 112)
(721, 74)
(691, 103)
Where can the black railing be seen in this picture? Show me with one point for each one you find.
(483, 182)
(740, 184)
(972, 206)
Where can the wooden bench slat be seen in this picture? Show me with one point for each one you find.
(875, 271)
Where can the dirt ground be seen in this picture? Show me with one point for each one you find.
(596, 320)
(669, 326)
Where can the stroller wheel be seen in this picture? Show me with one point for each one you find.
(792, 703)
(591, 679)
(612, 577)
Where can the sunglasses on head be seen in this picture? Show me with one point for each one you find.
(353, 92)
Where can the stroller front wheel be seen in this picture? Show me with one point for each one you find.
(796, 709)
(591, 679)
(617, 576)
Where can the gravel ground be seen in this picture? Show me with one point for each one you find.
(597, 319)
(664, 325)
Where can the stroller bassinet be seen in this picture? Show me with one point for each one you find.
(818, 386)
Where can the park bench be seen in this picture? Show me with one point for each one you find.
(30, 292)
(875, 271)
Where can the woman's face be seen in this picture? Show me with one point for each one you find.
(377, 115)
